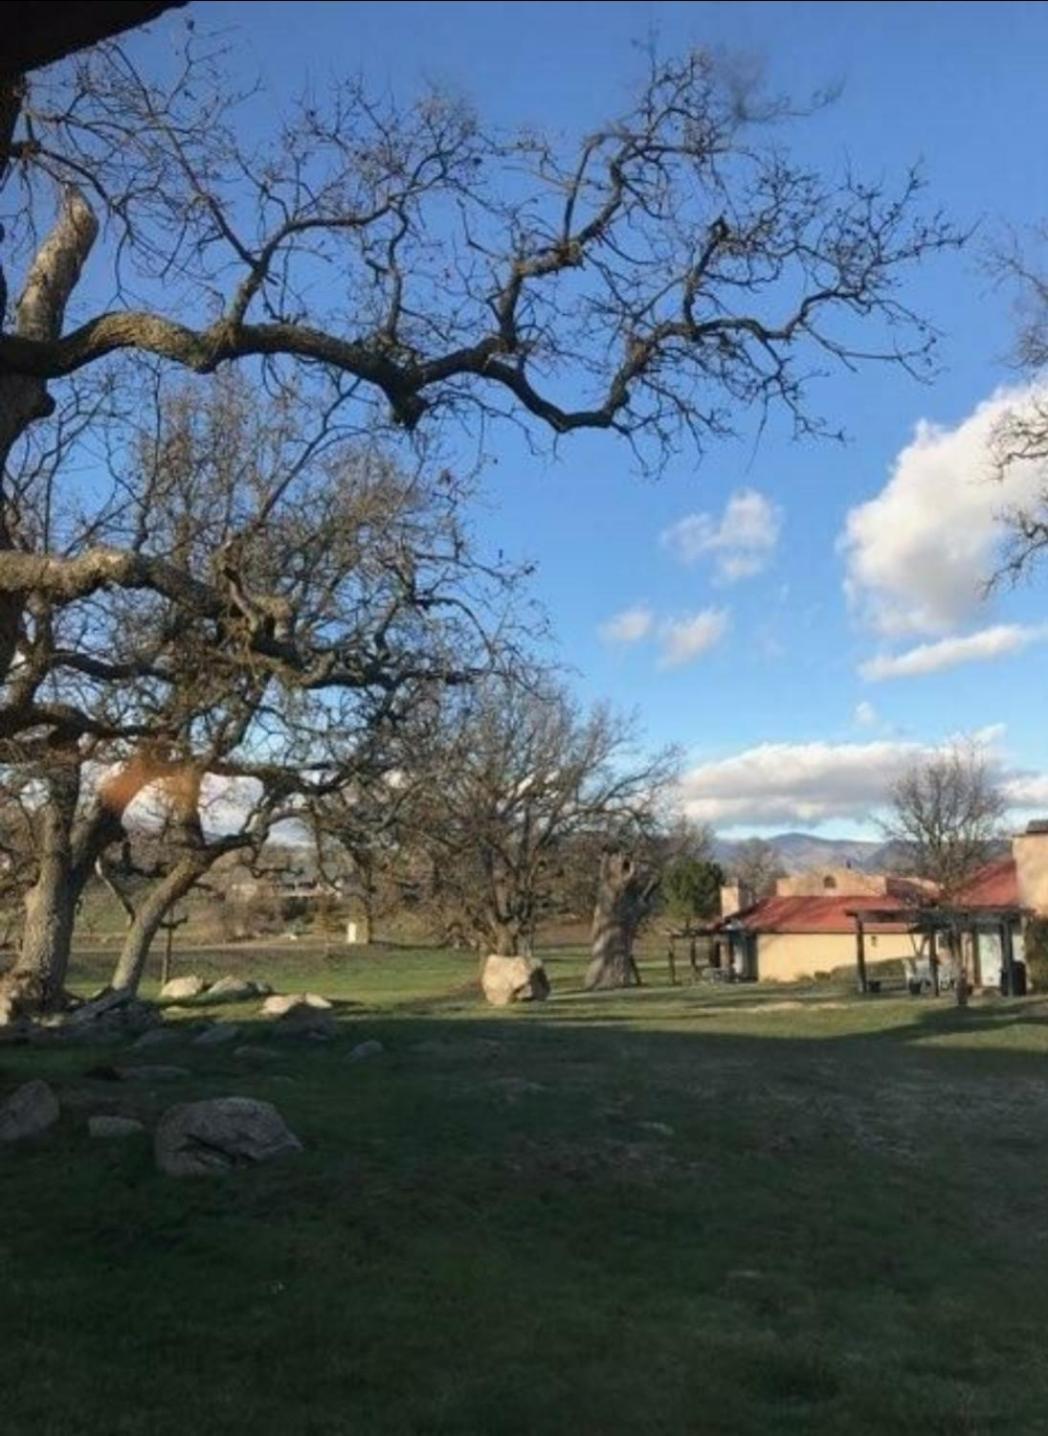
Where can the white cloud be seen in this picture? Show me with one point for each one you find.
(629, 626)
(918, 553)
(865, 715)
(684, 639)
(779, 785)
(797, 783)
(987, 643)
(741, 542)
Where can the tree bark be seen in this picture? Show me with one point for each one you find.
(149, 916)
(623, 899)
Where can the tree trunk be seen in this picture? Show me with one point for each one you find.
(623, 899)
(506, 939)
(38, 977)
(131, 964)
(367, 920)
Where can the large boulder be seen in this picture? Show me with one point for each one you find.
(179, 988)
(219, 1135)
(30, 1109)
(283, 1002)
(514, 979)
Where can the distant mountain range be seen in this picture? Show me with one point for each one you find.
(799, 851)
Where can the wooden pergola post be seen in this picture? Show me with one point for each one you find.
(1008, 955)
(860, 954)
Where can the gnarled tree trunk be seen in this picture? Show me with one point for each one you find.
(148, 918)
(624, 895)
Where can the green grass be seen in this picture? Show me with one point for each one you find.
(687, 1210)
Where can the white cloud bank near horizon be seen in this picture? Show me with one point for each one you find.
(808, 784)
(741, 542)
(918, 554)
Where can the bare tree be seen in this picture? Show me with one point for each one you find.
(670, 271)
(321, 591)
(518, 774)
(1021, 435)
(756, 866)
(945, 819)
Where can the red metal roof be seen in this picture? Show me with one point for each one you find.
(995, 885)
(815, 914)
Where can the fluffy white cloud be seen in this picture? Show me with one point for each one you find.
(796, 783)
(741, 541)
(996, 642)
(865, 715)
(629, 626)
(684, 639)
(918, 554)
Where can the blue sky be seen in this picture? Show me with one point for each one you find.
(794, 714)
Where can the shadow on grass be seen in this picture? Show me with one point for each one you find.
(557, 1219)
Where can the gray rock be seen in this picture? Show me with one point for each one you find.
(514, 979)
(306, 1023)
(363, 1050)
(217, 1034)
(156, 1037)
(282, 1003)
(219, 1135)
(30, 1109)
(252, 1053)
(103, 1126)
(179, 988)
(152, 1072)
(232, 989)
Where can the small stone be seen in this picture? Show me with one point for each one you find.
(30, 1109)
(363, 1050)
(151, 1073)
(303, 1022)
(102, 1126)
(254, 1053)
(217, 1034)
(155, 1037)
(219, 1135)
(179, 988)
(661, 1129)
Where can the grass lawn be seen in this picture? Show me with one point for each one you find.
(668, 1210)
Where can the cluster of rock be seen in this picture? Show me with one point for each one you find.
(224, 989)
(191, 1139)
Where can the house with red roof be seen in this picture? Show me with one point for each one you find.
(820, 920)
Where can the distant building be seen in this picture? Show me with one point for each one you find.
(810, 924)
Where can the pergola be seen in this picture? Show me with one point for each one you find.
(942, 918)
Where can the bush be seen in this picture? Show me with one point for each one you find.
(1036, 952)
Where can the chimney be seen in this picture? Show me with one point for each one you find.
(1030, 851)
(733, 898)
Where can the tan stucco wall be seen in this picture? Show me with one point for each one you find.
(843, 882)
(786, 956)
(1030, 852)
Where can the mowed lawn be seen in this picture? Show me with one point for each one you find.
(667, 1210)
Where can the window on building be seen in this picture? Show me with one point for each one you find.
(829, 882)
